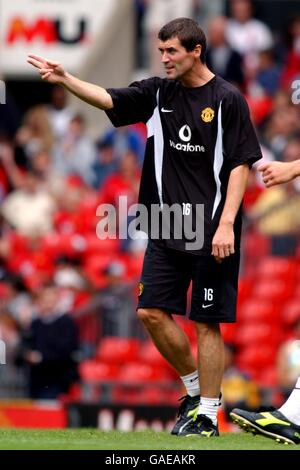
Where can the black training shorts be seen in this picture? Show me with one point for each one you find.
(166, 277)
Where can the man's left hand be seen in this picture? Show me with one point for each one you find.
(223, 242)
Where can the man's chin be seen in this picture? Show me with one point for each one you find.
(171, 74)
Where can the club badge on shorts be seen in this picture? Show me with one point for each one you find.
(140, 288)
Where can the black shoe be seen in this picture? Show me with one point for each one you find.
(272, 424)
(202, 426)
(187, 411)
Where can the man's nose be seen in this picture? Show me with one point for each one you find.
(164, 58)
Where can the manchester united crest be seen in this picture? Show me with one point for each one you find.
(207, 115)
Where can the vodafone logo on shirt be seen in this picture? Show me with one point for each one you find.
(185, 135)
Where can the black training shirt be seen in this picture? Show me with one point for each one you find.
(196, 136)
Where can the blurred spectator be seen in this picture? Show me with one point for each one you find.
(281, 127)
(29, 210)
(35, 134)
(12, 380)
(246, 34)
(238, 389)
(220, 57)
(281, 100)
(106, 163)
(277, 211)
(6, 156)
(125, 139)
(140, 9)
(268, 72)
(72, 283)
(60, 114)
(41, 163)
(206, 9)
(262, 84)
(68, 274)
(75, 154)
(49, 348)
(9, 116)
(118, 316)
(10, 174)
(288, 361)
(17, 300)
(291, 69)
(77, 205)
(124, 183)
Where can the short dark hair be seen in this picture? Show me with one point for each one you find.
(188, 32)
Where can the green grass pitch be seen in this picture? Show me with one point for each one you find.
(92, 439)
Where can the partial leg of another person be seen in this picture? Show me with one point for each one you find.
(283, 424)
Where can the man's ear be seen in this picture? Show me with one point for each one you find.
(198, 50)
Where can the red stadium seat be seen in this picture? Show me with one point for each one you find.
(256, 357)
(126, 395)
(297, 290)
(188, 327)
(95, 246)
(92, 371)
(135, 373)
(118, 350)
(97, 262)
(258, 334)
(149, 354)
(229, 332)
(256, 245)
(244, 290)
(267, 377)
(152, 396)
(277, 267)
(94, 266)
(57, 244)
(273, 289)
(259, 311)
(291, 312)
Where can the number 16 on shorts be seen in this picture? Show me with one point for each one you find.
(208, 295)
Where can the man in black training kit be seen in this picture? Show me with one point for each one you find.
(200, 146)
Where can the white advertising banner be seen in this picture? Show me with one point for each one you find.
(59, 29)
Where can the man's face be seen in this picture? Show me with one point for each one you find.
(176, 59)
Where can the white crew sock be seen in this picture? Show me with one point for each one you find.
(291, 408)
(191, 383)
(209, 407)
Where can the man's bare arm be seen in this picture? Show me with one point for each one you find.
(53, 72)
(223, 241)
(279, 172)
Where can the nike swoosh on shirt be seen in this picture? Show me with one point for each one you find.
(206, 306)
(163, 110)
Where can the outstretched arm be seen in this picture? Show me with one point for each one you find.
(53, 72)
(279, 172)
